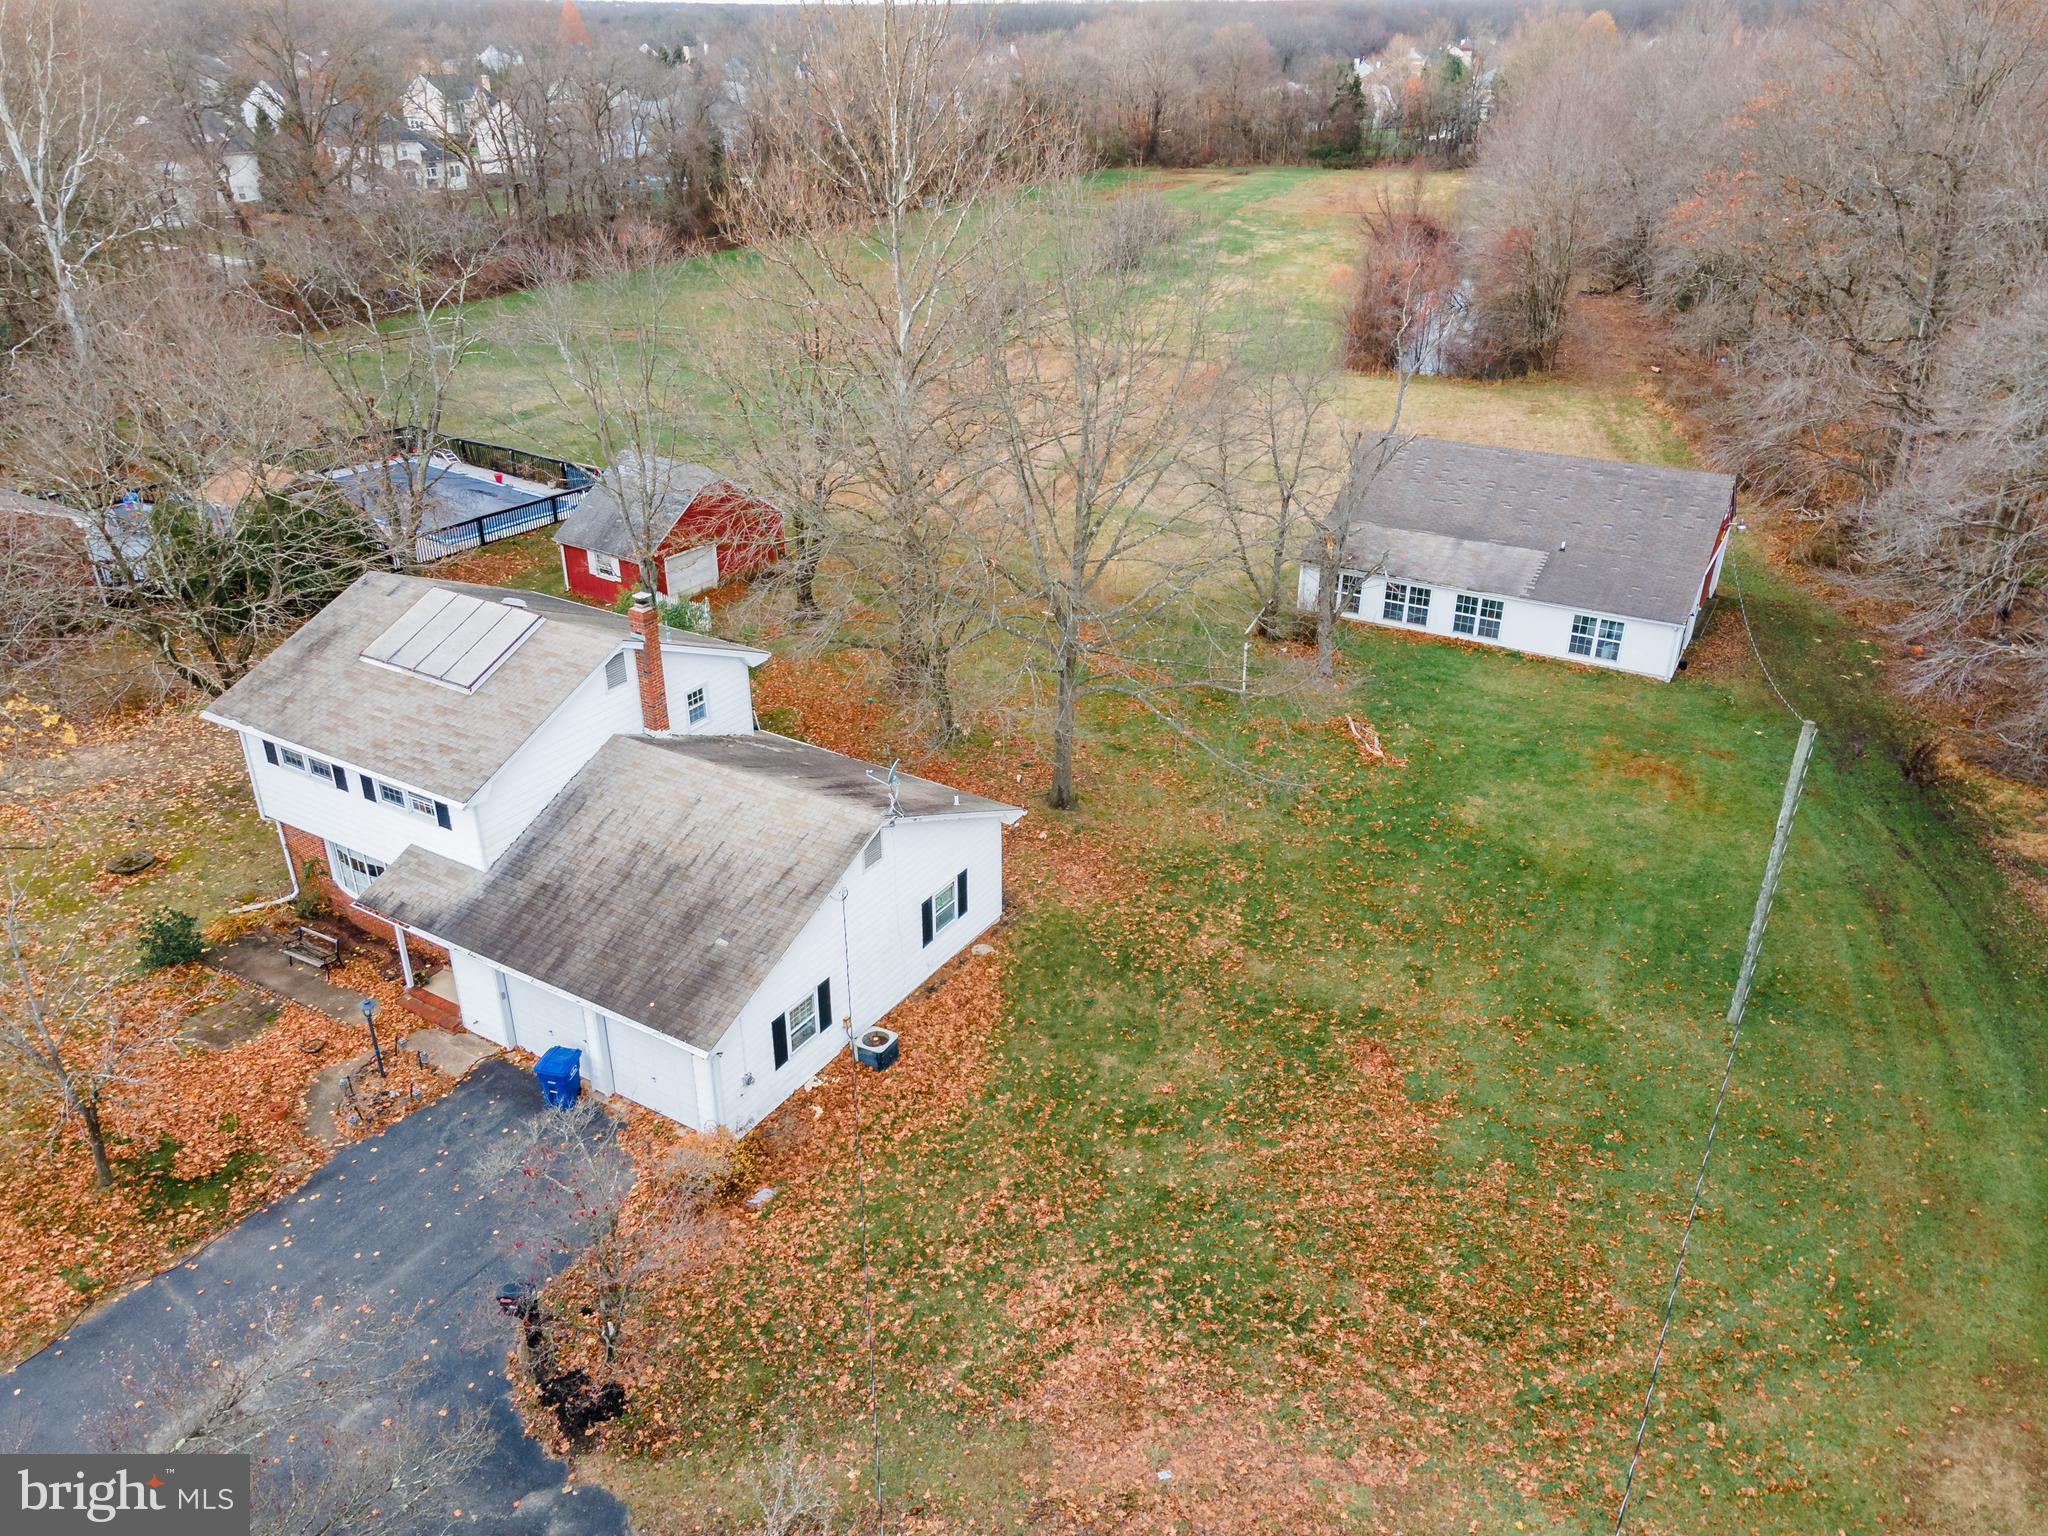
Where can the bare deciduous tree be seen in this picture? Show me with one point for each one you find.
(63, 127)
(177, 461)
(53, 1027)
(308, 1389)
(607, 355)
(1270, 458)
(1094, 416)
(878, 187)
(567, 1178)
(377, 298)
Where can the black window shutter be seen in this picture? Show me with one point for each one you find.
(441, 814)
(960, 893)
(927, 920)
(779, 1030)
(270, 751)
(825, 1003)
(369, 787)
(340, 775)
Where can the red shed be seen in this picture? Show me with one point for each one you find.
(715, 531)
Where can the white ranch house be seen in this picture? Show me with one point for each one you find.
(1585, 560)
(576, 809)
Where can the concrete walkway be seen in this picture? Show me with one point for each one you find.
(258, 958)
(390, 1225)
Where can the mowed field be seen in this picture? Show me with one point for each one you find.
(1311, 1152)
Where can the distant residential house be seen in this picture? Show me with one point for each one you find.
(411, 158)
(442, 105)
(712, 532)
(499, 142)
(1581, 559)
(574, 808)
(263, 107)
(201, 178)
(498, 59)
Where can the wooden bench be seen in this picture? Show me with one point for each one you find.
(309, 946)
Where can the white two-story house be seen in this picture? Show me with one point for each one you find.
(575, 809)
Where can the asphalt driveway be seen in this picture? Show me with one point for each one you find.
(392, 1221)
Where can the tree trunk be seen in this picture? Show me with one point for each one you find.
(1066, 698)
(1326, 614)
(95, 1140)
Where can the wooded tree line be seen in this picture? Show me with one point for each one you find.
(1848, 213)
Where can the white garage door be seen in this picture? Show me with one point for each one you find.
(692, 571)
(654, 1070)
(541, 1018)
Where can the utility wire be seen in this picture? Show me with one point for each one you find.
(1762, 665)
(1737, 1011)
(1699, 1185)
(867, 1279)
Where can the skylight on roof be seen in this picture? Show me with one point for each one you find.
(452, 639)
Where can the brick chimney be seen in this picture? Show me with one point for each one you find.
(653, 686)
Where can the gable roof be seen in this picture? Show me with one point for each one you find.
(600, 521)
(316, 691)
(1626, 539)
(670, 875)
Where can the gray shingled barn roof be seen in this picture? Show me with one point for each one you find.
(621, 890)
(599, 522)
(315, 690)
(1626, 539)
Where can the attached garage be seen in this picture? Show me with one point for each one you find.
(654, 1070)
(541, 1018)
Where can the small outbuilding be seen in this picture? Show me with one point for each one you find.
(1586, 560)
(711, 532)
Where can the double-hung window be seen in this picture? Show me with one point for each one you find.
(1477, 616)
(944, 906)
(1351, 593)
(306, 762)
(1405, 604)
(695, 700)
(407, 800)
(1598, 638)
(802, 1022)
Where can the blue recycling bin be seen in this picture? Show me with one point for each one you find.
(560, 1070)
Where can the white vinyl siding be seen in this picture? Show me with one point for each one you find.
(376, 830)
(883, 934)
(1645, 646)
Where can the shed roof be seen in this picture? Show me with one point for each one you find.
(602, 522)
(316, 690)
(1627, 539)
(668, 877)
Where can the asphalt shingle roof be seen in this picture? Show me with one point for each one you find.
(1627, 539)
(601, 523)
(317, 692)
(668, 877)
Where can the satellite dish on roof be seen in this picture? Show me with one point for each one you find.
(890, 783)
